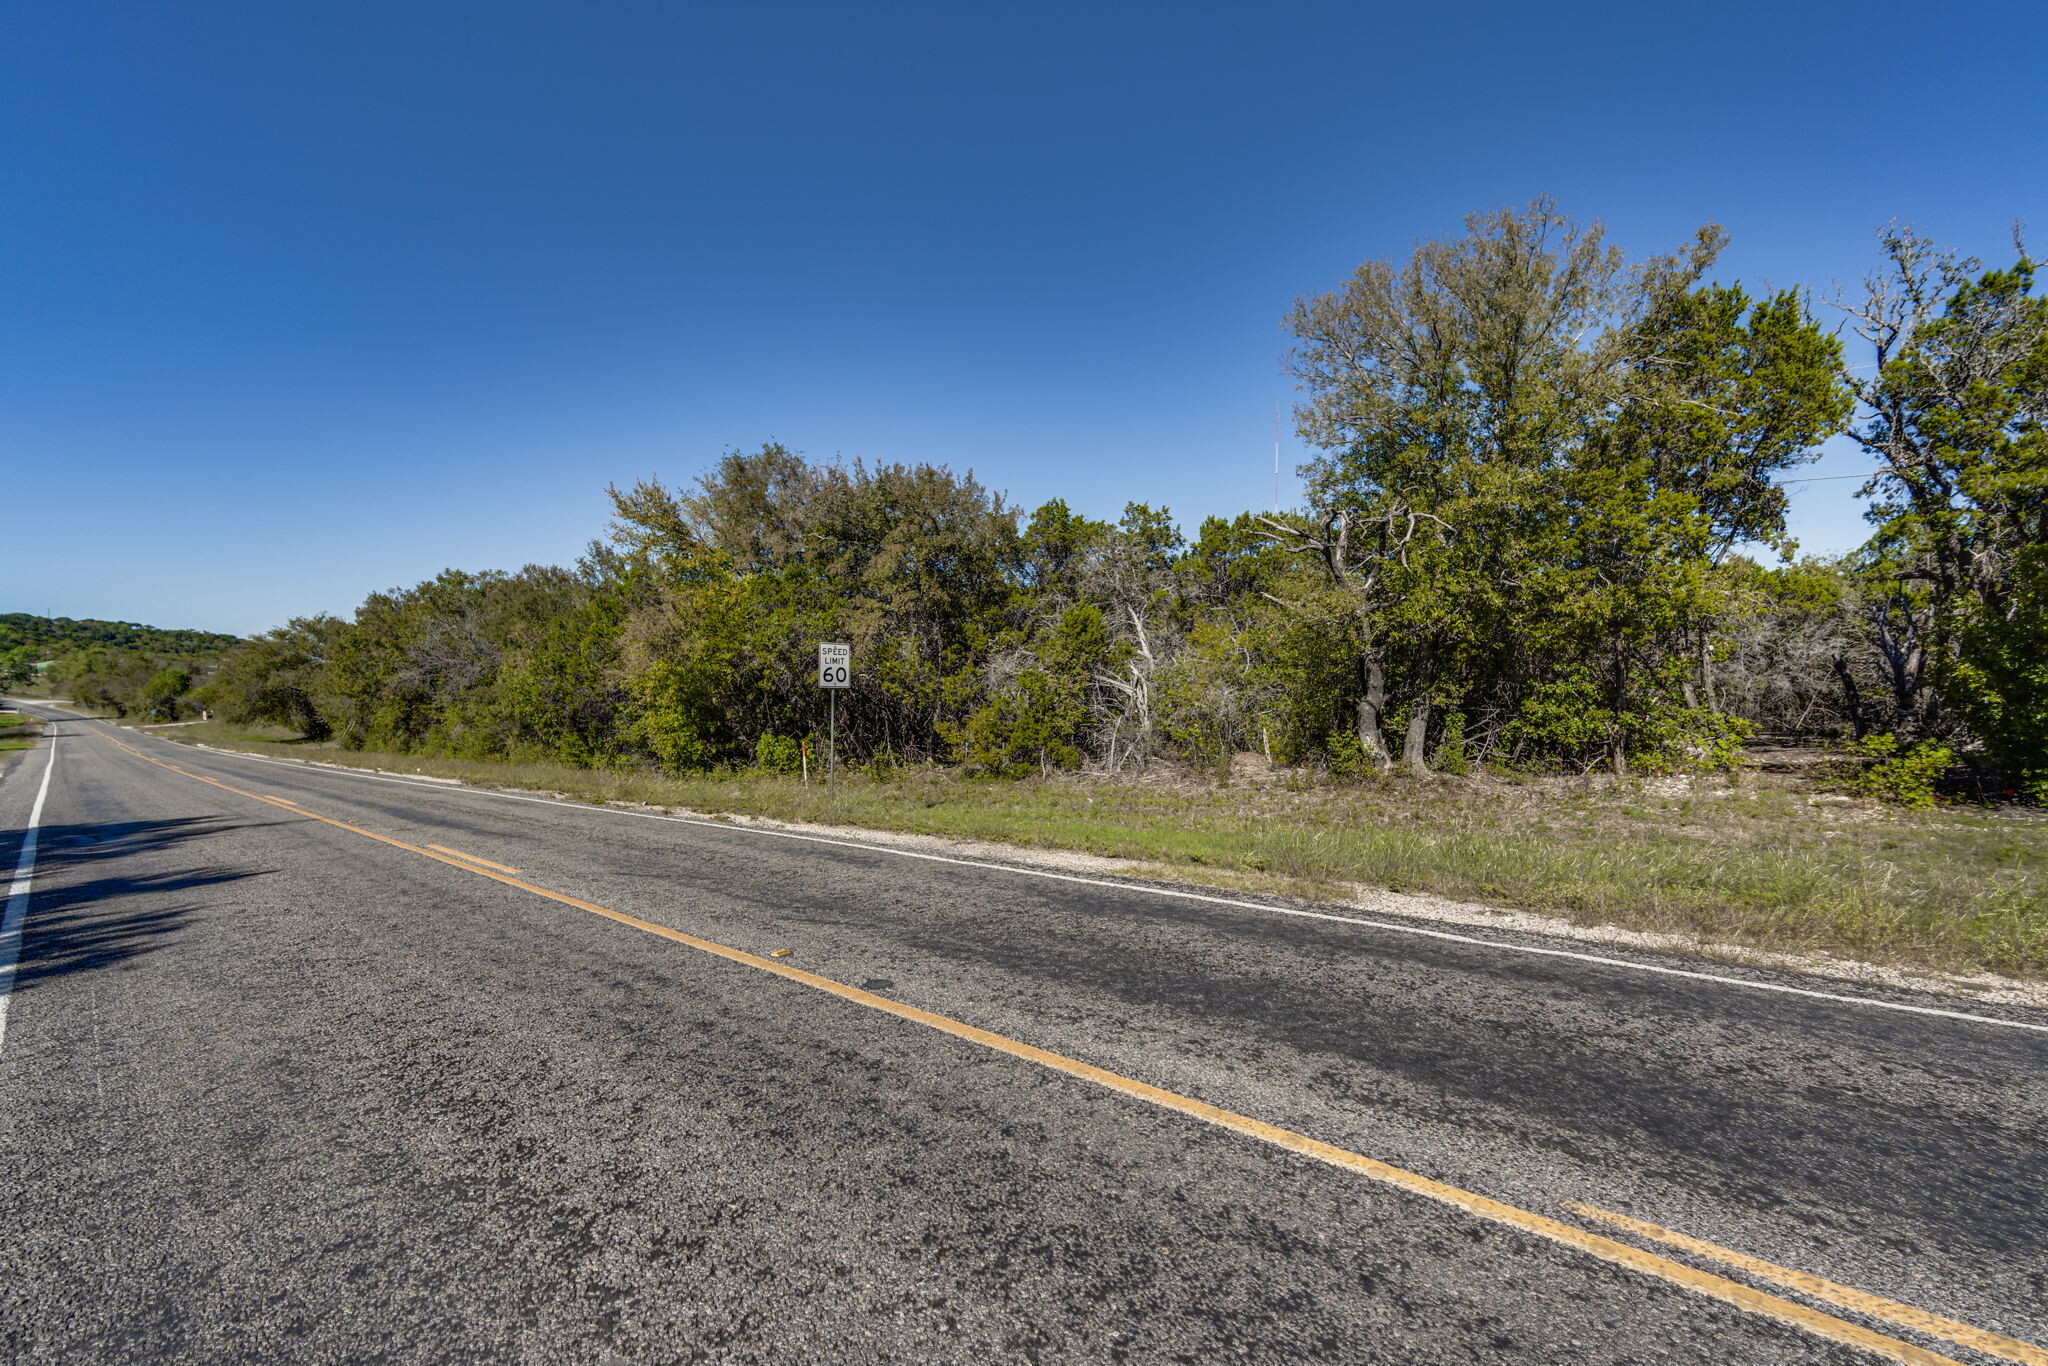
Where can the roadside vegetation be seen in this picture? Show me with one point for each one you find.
(1543, 548)
(1760, 859)
(18, 731)
(111, 668)
(1546, 532)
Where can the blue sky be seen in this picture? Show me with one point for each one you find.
(302, 301)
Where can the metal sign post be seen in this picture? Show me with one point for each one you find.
(835, 671)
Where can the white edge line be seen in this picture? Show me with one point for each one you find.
(1168, 892)
(18, 892)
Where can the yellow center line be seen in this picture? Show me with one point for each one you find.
(473, 858)
(1862, 1301)
(1527, 1221)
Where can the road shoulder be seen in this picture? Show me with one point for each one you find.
(1815, 970)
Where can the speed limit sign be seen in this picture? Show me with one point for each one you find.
(835, 665)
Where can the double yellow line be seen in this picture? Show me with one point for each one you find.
(1820, 1288)
(1526, 1221)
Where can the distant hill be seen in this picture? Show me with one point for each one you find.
(54, 635)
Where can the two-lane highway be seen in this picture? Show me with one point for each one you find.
(310, 1065)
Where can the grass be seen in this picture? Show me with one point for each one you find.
(1753, 863)
(18, 731)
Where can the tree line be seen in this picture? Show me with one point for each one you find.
(47, 637)
(1545, 526)
(118, 666)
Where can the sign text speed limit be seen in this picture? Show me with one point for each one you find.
(835, 665)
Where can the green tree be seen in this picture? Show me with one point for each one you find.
(685, 656)
(917, 567)
(1956, 413)
(280, 677)
(2000, 674)
(1038, 718)
(1030, 725)
(1056, 545)
(1717, 396)
(1448, 393)
(161, 694)
(17, 666)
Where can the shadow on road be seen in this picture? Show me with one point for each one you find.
(58, 845)
(77, 926)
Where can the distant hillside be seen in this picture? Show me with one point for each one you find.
(54, 635)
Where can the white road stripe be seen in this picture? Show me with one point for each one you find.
(17, 892)
(1168, 892)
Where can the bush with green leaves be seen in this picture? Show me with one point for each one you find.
(1348, 758)
(778, 754)
(2000, 678)
(164, 688)
(1879, 767)
(1031, 728)
(1452, 755)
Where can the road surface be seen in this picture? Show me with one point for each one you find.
(315, 1066)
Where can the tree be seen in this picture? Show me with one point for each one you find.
(1448, 393)
(1041, 698)
(280, 677)
(17, 666)
(2001, 672)
(1796, 662)
(1717, 396)
(1956, 413)
(917, 567)
(1056, 546)
(161, 693)
(1536, 456)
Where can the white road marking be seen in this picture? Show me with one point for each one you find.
(1168, 892)
(17, 893)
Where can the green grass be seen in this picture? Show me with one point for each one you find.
(1758, 865)
(18, 731)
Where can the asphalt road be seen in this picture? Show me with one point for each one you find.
(274, 1090)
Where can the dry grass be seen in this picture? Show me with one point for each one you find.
(1753, 861)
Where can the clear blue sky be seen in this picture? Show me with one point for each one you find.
(306, 300)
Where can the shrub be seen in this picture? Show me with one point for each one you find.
(161, 693)
(1033, 727)
(1347, 757)
(1451, 754)
(2000, 682)
(778, 754)
(1905, 777)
